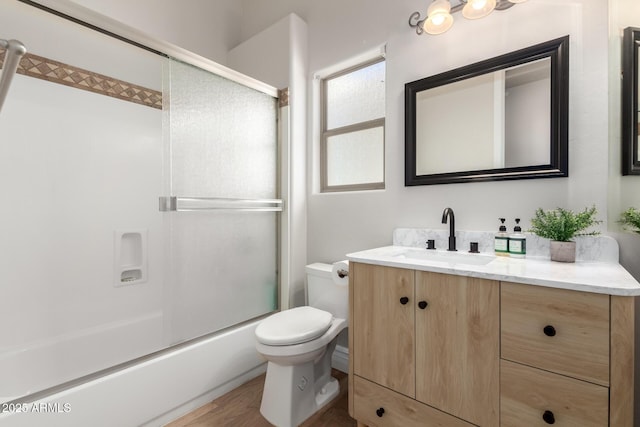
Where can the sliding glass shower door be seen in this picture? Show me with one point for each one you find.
(221, 202)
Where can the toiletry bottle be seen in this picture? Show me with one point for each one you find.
(517, 242)
(502, 240)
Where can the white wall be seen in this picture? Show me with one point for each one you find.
(340, 223)
(208, 28)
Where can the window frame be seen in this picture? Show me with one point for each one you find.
(326, 134)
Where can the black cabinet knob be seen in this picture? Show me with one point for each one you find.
(380, 412)
(549, 331)
(548, 417)
(404, 300)
(423, 304)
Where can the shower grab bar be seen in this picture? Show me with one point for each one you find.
(13, 52)
(186, 204)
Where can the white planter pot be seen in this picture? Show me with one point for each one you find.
(563, 251)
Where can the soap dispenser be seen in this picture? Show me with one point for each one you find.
(501, 245)
(517, 242)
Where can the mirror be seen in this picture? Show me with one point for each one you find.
(630, 122)
(503, 118)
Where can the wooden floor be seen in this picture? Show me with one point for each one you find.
(241, 408)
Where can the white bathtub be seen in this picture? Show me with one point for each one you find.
(152, 392)
(43, 364)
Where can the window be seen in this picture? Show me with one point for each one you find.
(352, 143)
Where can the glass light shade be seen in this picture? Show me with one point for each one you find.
(475, 9)
(439, 18)
(517, 1)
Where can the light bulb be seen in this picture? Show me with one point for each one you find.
(439, 18)
(475, 9)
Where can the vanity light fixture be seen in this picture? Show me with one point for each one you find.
(439, 13)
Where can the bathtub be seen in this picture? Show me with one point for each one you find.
(46, 363)
(150, 393)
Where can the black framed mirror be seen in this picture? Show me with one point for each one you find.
(630, 122)
(499, 119)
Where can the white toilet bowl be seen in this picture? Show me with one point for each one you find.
(298, 345)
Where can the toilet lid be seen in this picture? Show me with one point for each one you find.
(294, 326)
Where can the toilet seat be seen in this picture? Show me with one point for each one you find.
(295, 326)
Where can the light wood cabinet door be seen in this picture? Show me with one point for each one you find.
(558, 330)
(383, 326)
(533, 397)
(458, 346)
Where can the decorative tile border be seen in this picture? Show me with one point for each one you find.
(283, 97)
(68, 75)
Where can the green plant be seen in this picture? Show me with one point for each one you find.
(562, 224)
(631, 218)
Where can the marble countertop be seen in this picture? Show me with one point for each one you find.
(589, 276)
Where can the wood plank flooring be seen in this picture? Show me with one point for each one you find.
(241, 408)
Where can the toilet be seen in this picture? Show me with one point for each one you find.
(298, 344)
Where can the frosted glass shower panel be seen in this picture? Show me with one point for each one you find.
(224, 270)
(223, 136)
(222, 162)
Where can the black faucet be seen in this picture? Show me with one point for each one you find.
(448, 212)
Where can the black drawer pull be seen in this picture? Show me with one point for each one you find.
(380, 412)
(404, 300)
(423, 304)
(548, 417)
(549, 331)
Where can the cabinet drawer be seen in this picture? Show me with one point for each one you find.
(557, 330)
(529, 394)
(374, 405)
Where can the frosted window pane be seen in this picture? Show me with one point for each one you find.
(356, 97)
(356, 157)
(222, 136)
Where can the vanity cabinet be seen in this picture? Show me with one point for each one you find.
(432, 349)
(423, 343)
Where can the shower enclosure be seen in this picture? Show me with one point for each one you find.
(140, 204)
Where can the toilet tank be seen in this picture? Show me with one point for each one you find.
(324, 294)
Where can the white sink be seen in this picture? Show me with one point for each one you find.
(446, 256)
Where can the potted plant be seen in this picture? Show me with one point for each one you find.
(560, 226)
(630, 219)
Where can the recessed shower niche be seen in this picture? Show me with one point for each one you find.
(130, 257)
